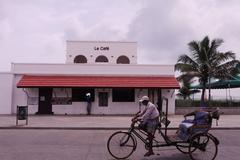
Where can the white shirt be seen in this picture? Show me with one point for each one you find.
(150, 112)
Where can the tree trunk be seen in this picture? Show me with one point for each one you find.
(209, 89)
(203, 95)
(202, 103)
(209, 94)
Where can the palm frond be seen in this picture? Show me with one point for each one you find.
(188, 76)
(215, 44)
(228, 65)
(188, 60)
(205, 42)
(212, 52)
(194, 48)
(203, 56)
(226, 70)
(184, 78)
(222, 57)
(182, 67)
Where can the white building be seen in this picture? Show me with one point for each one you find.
(107, 70)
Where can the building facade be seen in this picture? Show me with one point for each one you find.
(107, 70)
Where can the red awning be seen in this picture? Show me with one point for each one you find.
(28, 81)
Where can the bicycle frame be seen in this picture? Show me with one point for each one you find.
(136, 132)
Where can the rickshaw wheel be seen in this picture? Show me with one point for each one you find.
(121, 145)
(184, 148)
(203, 146)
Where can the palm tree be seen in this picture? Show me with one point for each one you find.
(185, 92)
(206, 62)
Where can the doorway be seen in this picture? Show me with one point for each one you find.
(103, 99)
(45, 101)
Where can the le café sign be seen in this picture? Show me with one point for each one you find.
(101, 48)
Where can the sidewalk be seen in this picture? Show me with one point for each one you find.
(98, 122)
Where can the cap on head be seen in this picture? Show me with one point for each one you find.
(144, 98)
(88, 94)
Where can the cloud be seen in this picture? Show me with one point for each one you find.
(36, 31)
(160, 32)
(163, 28)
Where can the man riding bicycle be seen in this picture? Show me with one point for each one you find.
(149, 120)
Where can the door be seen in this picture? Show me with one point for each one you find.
(151, 95)
(45, 98)
(103, 99)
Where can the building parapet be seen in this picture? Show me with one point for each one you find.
(93, 69)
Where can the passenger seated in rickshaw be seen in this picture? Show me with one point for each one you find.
(201, 118)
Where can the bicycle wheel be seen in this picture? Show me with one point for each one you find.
(203, 147)
(121, 145)
(184, 148)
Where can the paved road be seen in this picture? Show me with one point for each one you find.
(91, 145)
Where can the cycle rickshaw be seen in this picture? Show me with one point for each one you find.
(200, 145)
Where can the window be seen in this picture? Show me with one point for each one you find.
(80, 59)
(123, 60)
(123, 95)
(79, 94)
(103, 99)
(101, 59)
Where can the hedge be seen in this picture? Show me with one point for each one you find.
(213, 103)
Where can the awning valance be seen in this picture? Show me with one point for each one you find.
(30, 81)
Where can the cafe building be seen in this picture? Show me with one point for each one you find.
(108, 70)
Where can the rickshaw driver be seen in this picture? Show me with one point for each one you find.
(149, 120)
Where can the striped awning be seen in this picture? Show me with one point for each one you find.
(30, 81)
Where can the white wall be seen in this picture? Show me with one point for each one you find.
(93, 69)
(115, 107)
(6, 92)
(32, 102)
(90, 51)
(112, 108)
(19, 97)
(170, 95)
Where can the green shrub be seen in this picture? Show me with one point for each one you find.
(213, 103)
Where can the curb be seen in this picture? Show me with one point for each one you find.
(96, 128)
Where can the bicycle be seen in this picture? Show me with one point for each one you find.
(200, 144)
